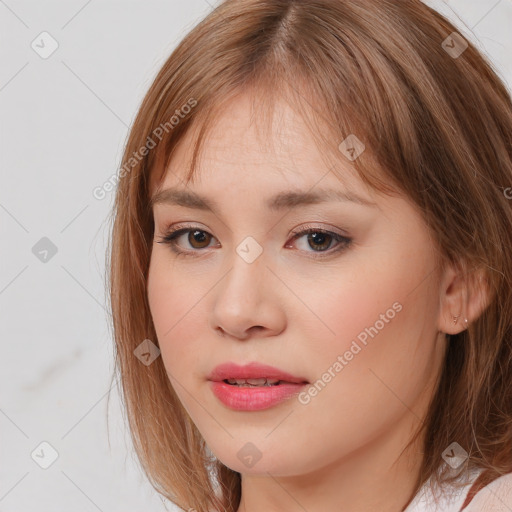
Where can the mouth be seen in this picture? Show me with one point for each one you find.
(253, 375)
(253, 387)
(255, 383)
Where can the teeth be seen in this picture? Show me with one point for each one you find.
(254, 382)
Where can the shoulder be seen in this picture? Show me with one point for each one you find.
(445, 499)
(494, 497)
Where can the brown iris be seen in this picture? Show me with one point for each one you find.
(199, 237)
(320, 238)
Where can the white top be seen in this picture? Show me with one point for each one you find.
(495, 497)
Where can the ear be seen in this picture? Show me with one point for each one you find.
(463, 294)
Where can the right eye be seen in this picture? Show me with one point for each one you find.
(197, 238)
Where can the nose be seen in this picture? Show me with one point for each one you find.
(245, 302)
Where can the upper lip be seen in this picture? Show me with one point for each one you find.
(253, 370)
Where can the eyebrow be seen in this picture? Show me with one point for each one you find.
(280, 201)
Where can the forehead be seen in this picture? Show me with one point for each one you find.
(245, 143)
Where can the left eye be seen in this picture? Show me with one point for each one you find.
(318, 239)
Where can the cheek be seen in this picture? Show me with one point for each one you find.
(377, 358)
(175, 319)
(377, 311)
(175, 311)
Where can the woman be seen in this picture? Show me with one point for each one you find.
(318, 316)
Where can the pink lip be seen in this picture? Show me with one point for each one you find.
(257, 398)
(252, 370)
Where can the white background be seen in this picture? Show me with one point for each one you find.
(63, 123)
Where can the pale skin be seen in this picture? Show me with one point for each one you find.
(342, 450)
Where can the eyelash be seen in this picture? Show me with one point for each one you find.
(171, 236)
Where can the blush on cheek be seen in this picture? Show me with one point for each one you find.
(366, 323)
(178, 323)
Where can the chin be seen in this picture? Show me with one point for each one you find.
(248, 459)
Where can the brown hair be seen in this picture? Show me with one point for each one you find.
(439, 126)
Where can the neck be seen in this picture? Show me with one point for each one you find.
(379, 476)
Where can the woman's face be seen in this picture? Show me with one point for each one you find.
(357, 319)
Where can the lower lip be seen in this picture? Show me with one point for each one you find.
(253, 398)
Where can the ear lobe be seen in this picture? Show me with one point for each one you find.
(462, 295)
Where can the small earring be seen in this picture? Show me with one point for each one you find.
(466, 322)
(455, 318)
